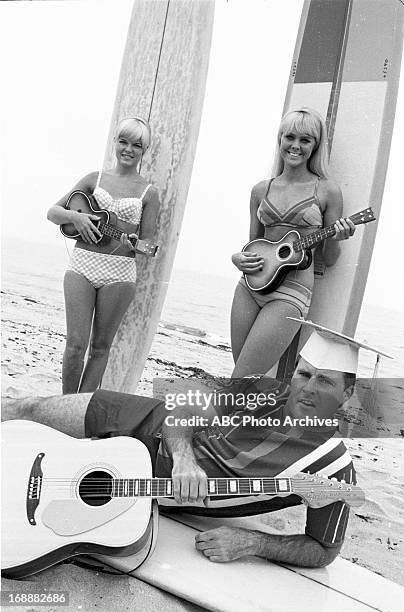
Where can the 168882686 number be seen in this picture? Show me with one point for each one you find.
(39, 598)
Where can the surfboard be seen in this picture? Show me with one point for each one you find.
(346, 65)
(162, 79)
(250, 583)
(255, 584)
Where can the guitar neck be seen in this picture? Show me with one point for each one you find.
(141, 246)
(163, 487)
(312, 240)
(111, 230)
(315, 489)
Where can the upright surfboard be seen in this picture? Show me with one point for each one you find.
(162, 79)
(346, 65)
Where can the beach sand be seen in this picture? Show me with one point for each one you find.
(32, 347)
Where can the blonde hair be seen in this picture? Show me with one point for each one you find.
(134, 128)
(306, 121)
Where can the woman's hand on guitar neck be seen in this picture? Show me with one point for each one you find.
(129, 240)
(247, 262)
(83, 223)
(344, 229)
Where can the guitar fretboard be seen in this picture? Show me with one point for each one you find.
(110, 230)
(308, 242)
(163, 487)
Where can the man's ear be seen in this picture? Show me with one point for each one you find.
(348, 392)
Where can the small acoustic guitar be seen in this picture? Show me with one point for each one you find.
(63, 497)
(291, 252)
(109, 225)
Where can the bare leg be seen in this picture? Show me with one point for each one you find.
(62, 412)
(244, 311)
(79, 302)
(269, 337)
(112, 301)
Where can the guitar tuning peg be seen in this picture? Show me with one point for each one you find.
(334, 479)
(343, 481)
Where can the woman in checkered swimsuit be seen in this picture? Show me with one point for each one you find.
(99, 283)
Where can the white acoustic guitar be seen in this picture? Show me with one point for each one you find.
(63, 497)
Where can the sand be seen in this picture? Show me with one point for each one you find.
(32, 347)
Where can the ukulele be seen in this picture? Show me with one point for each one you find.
(109, 225)
(291, 252)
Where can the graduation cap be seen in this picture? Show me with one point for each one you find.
(330, 350)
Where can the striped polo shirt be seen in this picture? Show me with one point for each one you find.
(279, 450)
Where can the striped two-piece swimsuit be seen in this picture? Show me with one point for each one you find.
(106, 268)
(306, 214)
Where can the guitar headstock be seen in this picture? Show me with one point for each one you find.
(146, 247)
(318, 490)
(364, 216)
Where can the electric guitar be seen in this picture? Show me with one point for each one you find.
(291, 252)
(63, 497)
(109, 225)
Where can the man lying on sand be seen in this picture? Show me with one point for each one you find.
(293, 430)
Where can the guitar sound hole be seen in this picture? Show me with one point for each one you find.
(95, 489)
(284, 251)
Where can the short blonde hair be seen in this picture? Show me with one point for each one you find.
(135, 128)
(306, 121)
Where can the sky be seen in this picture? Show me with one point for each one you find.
(59, 84)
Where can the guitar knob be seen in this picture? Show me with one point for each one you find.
(334, 479)
(343, 481)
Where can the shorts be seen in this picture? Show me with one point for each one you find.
(110, 413)
(103, 269)
(290, 291)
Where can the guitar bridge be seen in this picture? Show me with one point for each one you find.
(34, 488)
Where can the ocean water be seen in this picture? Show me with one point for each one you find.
(196, 300)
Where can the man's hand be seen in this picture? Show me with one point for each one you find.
(227, 543)
(230, 543)
(189, 480)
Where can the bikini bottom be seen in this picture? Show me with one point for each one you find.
(102, 269)
(289, 291)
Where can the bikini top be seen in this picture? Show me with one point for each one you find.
(127, 209)
(306, 213)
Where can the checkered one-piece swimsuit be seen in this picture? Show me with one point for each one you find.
(103, 268)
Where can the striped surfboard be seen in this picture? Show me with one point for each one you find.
(346, 65)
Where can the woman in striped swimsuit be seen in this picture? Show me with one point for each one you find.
(100, 281)
(300, 196)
